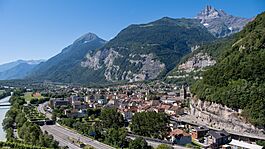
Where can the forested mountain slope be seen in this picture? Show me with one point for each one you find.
(238, 80)
(147, 51)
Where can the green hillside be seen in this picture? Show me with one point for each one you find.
(167, 40)
(238, 80)
(65, 66)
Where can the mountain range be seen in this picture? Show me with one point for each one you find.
(139, 52)
(18, 69)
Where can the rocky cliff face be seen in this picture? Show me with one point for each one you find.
(198, 61)
(192, 67)
(221, 117)
(145, 65)
(219, 23)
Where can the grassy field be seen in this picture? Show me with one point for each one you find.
(29, 95)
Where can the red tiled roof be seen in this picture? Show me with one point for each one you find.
(178, 132)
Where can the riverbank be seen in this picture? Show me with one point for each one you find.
(3, 111)
(29, 133)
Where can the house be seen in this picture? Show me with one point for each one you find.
(127, 114)
(158, 109)
(113, 102)
(199, 132)
(164, 107)
(133, 109)
(174, 110)
(180, 137)
(155, 102)
(79, 105)
(143, 108)
(102, 101)
(74, 113)
(60, 102)
(218, 138)
(91, 99)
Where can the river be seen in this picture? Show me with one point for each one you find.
(3, 111)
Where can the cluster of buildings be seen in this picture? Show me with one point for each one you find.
(130, 99)
(127, 99)
(203, 136)
(209, 139)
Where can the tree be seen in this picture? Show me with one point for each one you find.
(110, 118)
(96, 131)
(262, 143)
(150, 124)
(68, 122)
(116, 137)
(20, 119)
(164, 146)
(8, 123)
(139, 143)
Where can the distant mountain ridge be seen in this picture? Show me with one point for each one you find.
(6, 66)
(219, 23)
(65, 66)
(17, 69)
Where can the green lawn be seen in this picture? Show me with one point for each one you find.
(28, 96)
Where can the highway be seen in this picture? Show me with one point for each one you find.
(60, 137)
(62, 134)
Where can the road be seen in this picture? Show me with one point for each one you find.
(41, 110)
(58, 136)
(62, 134)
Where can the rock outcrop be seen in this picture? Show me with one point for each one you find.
(219, 23)
(221, 117)
(147, 66)
(192, 66)
(198, 61)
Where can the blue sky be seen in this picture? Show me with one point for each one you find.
(39, 29)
